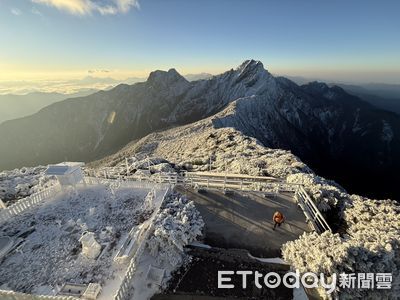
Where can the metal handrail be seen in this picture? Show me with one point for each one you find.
(311, 211)
(230, 181)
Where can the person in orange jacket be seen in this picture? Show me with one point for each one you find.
(278, 219)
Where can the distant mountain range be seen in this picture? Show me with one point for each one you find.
(14, 106)
(385, 96)
(18, 106)
(337, 134)
(381, 95)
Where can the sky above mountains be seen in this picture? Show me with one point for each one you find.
(347, 41)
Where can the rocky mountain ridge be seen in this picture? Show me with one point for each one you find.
(337, 134)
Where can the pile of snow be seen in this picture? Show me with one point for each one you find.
(178, 224)
(371, 245)
(21, 183)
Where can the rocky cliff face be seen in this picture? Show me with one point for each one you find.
(337, 134)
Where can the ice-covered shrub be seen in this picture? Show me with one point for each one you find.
(325, 193)
(178, 224)
(371, 245)
(21, 183)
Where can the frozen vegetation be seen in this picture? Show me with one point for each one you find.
(369, 229)
(177, 225)
(371, 245)
(51, 253)
(20, 183)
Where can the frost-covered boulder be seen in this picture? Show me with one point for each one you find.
(143, 173)
(178, 224)
(145, 163)
(162, 168)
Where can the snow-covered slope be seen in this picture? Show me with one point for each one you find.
(368, 238)
(337, 134)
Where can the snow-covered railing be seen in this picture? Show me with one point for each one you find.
(28, 202)
(311, 211)
(248, 183)
(238, 182)
(11, 295)
(126, 285)
(123, 183)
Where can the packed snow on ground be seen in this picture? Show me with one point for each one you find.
(51, 255)
(21, 183)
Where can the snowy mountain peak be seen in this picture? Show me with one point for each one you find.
(174, 72)
(251, 66)
(249, 63)
(252, 71)
(165, 78)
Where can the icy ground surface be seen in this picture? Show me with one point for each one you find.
(20, 183)
(51, 254)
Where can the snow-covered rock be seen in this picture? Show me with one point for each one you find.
(162, 168)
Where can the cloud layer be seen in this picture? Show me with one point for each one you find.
(87, 7)
(16, 11)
